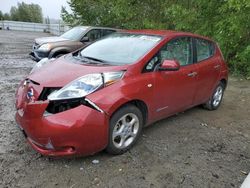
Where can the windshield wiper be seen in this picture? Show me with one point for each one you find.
(94, 59)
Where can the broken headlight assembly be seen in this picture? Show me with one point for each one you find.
(85, 85)
(73, 94)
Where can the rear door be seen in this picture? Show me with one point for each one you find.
(208, 69)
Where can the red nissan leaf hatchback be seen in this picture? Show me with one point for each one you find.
(101, 96)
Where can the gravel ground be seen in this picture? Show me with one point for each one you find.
(197, 148)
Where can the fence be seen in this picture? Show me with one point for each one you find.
(55, 29)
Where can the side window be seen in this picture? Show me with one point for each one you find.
(94, 34)
(107, 32)
(205, 49)
(179, 49)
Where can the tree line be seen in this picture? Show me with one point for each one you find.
(24, 12)
(225, 21)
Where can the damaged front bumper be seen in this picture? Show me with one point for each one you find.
(81, 130)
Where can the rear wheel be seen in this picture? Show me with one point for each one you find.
(215, 100)
(125, 128)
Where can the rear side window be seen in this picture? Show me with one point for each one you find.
(205, 49)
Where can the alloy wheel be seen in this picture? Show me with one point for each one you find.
(125, 130)
(217, 96)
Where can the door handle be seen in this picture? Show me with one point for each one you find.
(217, 66)
(192, 74)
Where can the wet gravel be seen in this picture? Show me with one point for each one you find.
(197, 148)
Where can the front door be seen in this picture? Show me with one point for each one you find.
(174, 90)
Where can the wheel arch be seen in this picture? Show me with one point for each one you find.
(141, 105)
(224, 82)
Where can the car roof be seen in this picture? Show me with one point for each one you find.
(165, 33)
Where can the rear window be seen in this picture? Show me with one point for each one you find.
(205, 49)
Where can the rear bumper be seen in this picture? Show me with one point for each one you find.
(78, 131)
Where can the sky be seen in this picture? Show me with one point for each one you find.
(51, 8)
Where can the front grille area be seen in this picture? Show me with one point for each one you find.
(61, 105)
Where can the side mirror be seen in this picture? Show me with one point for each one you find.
(169, 65)
(85, 39)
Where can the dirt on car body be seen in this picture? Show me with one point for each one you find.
(196, 148)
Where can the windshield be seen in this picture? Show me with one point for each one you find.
(74, 34)
(120, 48)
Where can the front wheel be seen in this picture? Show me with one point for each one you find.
(125, 128)
(215, 100)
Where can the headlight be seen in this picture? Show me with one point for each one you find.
(111, 77)
(41, 63)
(45, 47)
(85, 85)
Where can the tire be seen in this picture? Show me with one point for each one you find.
(124, 129)
(215, 100)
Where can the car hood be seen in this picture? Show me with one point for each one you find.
(49, 39)
(61, 71)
